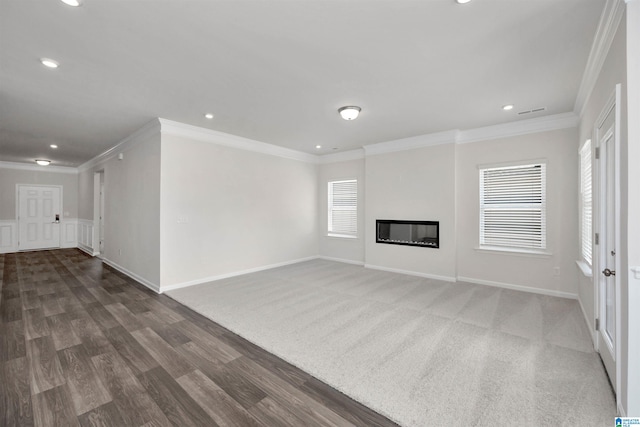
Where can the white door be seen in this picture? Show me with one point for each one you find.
(608, 283)
(39, 209)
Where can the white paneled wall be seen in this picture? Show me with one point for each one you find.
(85, 236)
(8, 236)
(69, 233)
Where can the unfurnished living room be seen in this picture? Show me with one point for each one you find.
(319, 212)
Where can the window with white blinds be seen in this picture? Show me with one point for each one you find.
(586, 200)
(513, 207)
(343, 208)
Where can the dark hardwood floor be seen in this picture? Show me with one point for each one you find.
(83, 344)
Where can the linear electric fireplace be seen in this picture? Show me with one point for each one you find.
(425, 234)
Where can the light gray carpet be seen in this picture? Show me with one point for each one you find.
(422, 352)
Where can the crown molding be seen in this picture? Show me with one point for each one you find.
(607, 27)
(420, 141)
(150, 129)
(37, 168)
(343, 156)
(522, 127)
(215, 137)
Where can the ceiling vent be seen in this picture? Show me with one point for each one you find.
(533, 110)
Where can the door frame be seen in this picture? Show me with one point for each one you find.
(612, 105)
(61, 188)
(98, 212)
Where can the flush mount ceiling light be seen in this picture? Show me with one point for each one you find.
(73, 3)
(208, 116)
(53, 146)
(43, 162)
(318, 147)
(462, 1)
(507, 107)
(349, 112)
(49, 63)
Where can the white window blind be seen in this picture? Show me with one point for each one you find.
(513, 206)
(343, 208)
(586, 199)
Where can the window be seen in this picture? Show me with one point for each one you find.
(586, 215)
(343, 208)
(513, 207)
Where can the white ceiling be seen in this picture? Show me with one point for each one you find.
(277, 70)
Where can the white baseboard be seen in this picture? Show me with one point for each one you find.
(134, 276)
(592, 331)
(411, 273)
(235, 273)
(519, 287)
(342, 260)
(87, 250)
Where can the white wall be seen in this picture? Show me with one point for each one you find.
(559, 149)
(416, 184)
(132, 205)
(345, 249)
(226, 210)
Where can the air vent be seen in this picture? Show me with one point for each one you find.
(533, 110)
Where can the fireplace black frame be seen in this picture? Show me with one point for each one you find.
(383, 233)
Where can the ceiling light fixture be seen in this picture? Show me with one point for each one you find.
(53, 146)
(318, 147)
(43, 162)
(457, 1)
(73, 3)
(349, 112)
(208, 116)
(49, 63)
(507, 107)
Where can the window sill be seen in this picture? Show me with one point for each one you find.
(514, 251)
(585, 268)
(342, 236)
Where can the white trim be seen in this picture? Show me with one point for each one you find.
(36, 168)
(12, 244)
(521, 127)
(636, 272)
(530, 289)
(343, 156)
(411, 143)
(69, 233)
(232, 274)
(410, 273)
(134, 276)
(342, 260)
(127, 143)
(88, 251)
(170, 127)
(607, 28)
(589, 322)
(499, 250)
(585, 268)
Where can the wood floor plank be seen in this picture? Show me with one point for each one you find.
(171, 334)
(221, 407)
(51, 305)
(106, 415)
(271, 413)
(86, 388)
(10, 309)
(35, 324)
(102, 296)
(62, 333)
(53, 407)
(30, 300)
(134, 404)
(15, 394)
(304, 407)
(208, 342)
(136, 356)
(91, 336)
(124, 316)
(101, 316)
(168, 358)
(174, 401)
(12, 340)
(44, 366)
(162, 310)
(235, 385)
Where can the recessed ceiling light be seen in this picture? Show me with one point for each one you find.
(318, 146)
(43, 162)
(53, 146)
(507, 107)
(349, 112)
(208, 116)
(74, 3)
(457, 1)
(49, 63)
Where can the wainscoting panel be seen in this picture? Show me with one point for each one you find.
(85, 236)
(69, 233)
(8, 236)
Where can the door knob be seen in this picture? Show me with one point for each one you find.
(608, 272)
